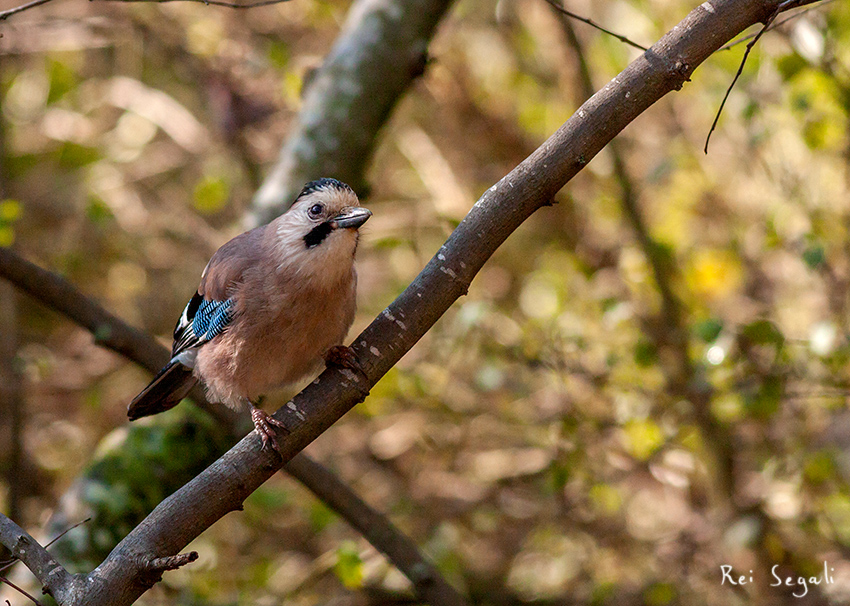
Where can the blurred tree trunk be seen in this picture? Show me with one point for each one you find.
(380, 52)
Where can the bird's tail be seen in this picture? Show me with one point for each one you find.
(168, 387)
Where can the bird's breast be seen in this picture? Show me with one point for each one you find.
(276, 341)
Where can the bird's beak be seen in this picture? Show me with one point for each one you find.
(351, 217)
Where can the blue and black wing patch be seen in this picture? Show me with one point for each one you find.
(212, 318)
(201, 322)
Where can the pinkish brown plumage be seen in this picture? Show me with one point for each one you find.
(271, 303)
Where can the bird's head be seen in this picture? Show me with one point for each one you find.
(321, 227)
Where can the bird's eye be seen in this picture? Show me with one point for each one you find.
(316, 210)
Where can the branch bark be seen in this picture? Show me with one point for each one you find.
(221, 488)
(113, 333)
(381, 50)
(57, 581)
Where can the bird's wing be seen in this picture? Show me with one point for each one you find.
(213, 307)
(201, 321)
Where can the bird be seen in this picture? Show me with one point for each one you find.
(273, 304)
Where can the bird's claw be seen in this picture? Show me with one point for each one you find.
(264, 425)
(340, 356)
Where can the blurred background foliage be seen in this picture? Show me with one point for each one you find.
(607, 418)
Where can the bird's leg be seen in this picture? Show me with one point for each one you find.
(265, 424)
(341, 356)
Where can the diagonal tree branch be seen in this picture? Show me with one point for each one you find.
(59, 294)
(139, 347)
(380, 52)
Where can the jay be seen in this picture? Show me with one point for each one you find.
(273, 303)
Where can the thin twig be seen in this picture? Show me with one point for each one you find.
(774, 25)
(750, 46)
(20, 590)
(19, 9)
(784, 6)
(210, 2)
(66, 531)
(572, 15)
(9, 562)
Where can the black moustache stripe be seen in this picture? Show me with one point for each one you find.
(318, 234)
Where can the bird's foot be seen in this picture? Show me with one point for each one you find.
(265, 424)
(340, 356)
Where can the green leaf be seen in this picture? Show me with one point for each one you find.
(790, 65)
(320, 516)
(765, 402)
(763, 332)
(659, 594)
(606, 498)
(10, 210)
(819, 466)
(559, 475)
(645, 353)
(211, 194)
(62, 80)
(73, 155)
(97, 211)
(279, 54)
(708, 330)
(268, 498)
(7, 236)
(814, 256)
(643, 438)
(349, 566)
